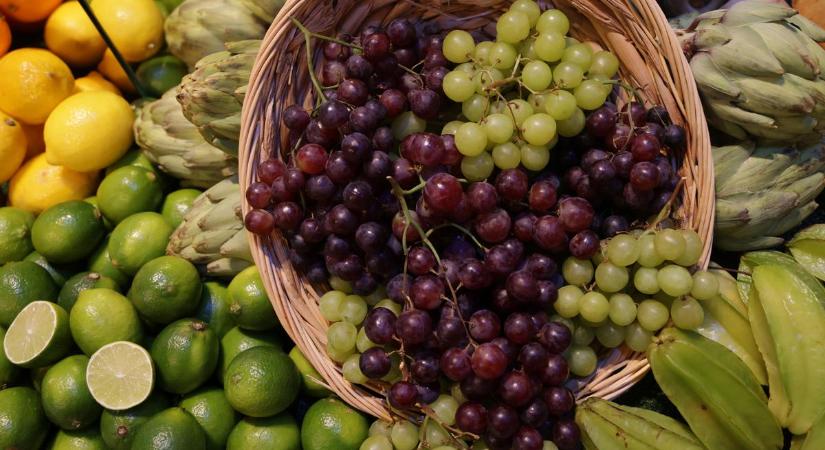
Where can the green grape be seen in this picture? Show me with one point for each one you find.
(477, 168)
(549, 445)
(406, 124)
(606, 84)
(637, 338)
(670, 244)
(451, 127)
(482, 53)
(352, 371)
(336, 355)
(623, 250)
(470, 139)
(652, 315)
(622, 309)
(435, 435)
(578, 54)
(380, 428)
(404, 435)
(693, 248)
(594, 307)
(389, 304)
(475, 107)
(518, 109)
(534, 157)
(560, 104)
(663, 298)
(567, 75)
(646, 280)
(674, 280)
(483, 78)
(705, 285)
(570, 40)
(549, 46)
(539, 129)
(527, 48)
(553, 20)
(380, 293)
(582, 360)
(610, 277)
(687, 313)
(648, 256)
(499, 127)
(458, 395)
(538, 100)
(458, 85)
(604, 63)
(362, 342)
(590, 94)
(536, 75)
(506, 156)
(340, 284)
(467, 67)
(610, 335)
(503, 55)
(577, 271)
(564, 321)
(395, 369)
(458, 46)
(567, 303)
(353, 309)
(512, 27)
(444, 408)
(376, 443)
(529, 7)
(583, 336)
(572, 126)
(553, 142)
(341, 336)
(330, 305)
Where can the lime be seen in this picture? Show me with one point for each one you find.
(186, 354)
(170, 429)
(36, 375)
(101, 262)
(311, 378)
(118, 428)
(21, 283)
(250, 304)
(38, 336)
(22, 422)
(272, 433)
(127, 191)
(214, 414)
(161, 73)
(15, 234)
(59, 273)
(120, 375)
(329, 423)
(87, 439)
(93, 201)
(137, 240)
(214, 308)
(66, 399)
(166, 289)
(67, 232)
(238, 340)
(81, 282)
(9, 373)
(102, 316)
(177, 204)
(249, 380)
(134, 158)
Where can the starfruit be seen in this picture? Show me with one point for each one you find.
(753, 259)
(808, 248)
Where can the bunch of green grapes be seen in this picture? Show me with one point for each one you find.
(521, 92)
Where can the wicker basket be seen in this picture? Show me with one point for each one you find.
(635, 30)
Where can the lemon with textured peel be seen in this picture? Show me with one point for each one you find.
(113, 72)
(38, 185)
(135, 26)
(94, 81)
(38, 336)
(12, 146)
(35, 81)
(72, 36)
(35, 144)
(120, 375)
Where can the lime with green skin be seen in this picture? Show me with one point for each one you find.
(101, 262)
(118, 428)
(129, 190)
(21, 283)
(59, 273)
(15, 234)
(36, 376)
(86, 439)
(177, 204)
(186, 355)
(250, 377)
(65, 397)
(214, 308)
(170, 429)
(137, 240)
(81, 282)
(106, 222)
(67, 232)
(22, 421)
(161, 73)
(166, 289)
(214, 414)
(250, 304)
(311, 378)
(330, 423)
(9, 373)
(38, 336)
(132, 158)
(238, 340)
(102, 316)
(278, 432)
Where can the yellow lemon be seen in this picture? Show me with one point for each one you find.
(35, 144)
(34, 82)
(94, 81)
(71, 35)
(39, 185)
(89, 131)
(12, 146)
(110, 69)
(135, 26)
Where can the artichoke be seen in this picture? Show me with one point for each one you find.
(212, 95)
(212, 235)
(764, 191)
(759, 70)
(264, 9)
(173, 144)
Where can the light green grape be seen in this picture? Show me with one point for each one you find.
(687, 313)
(380, 293)
(578, 54)
(389, 304)
(528, 7)
(503, 55)
(482, 53)
(560, 104)
(340, 284)
(553, 20)
(567, 303)
(483, 78)
(570, 40)
(536, 75)
(652, 315)
(539, 129)
(475, 107)
(352, 370)
(594, 307)
(610, 277)
(435, 435)
(549, 46)
(567, 75)
(604, 63)
(535, 157)
(395, 369)
(663, 298)
(564, 321)
(406, 124)
(646, 280)
(572, 126)
(622, 309)
(590, 94)
(518, 109)
(444, 408)
(458, 46)
(499, 128)
(576, 271)
(538, 100)
(623, 250)
(610, 335)
(330, 305)
(353, 309)
(470, 139)
(404, 435)
(674, 280)
(376, 443)
(670, 244)
(342, 336)
(512, 27)
(637, 338)
(362, 342)
(606, 85)
(705, 285)
(380, 428)
(583, 335)
(582, 360)
(458, 395)
(451, 127)
(527, 48)
(693, 248)
(458, 85)
(477, 168)
(648, 256)
(506, 156)
(549, 445)
(467, 67)
(339, 356)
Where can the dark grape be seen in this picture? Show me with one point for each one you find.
(613, 225)
(600, 122)
(426, 292)
(312, 230)
(511, 184)
(573, 176)
(542, 196)
(566, 434)
(401, 33)
(549, 234)
(403, 395)
(555, 337)
(400, 228)
(364, 119)
(635, 199)
(311, 159)
(259, 222)
(341, 221)
(270, 169)
(477, 388)
(559, 400)
(515, 389)
(455, 363)
(434, 78)
(601, 173)
(398, 288)
(349, 268)
(645, 147)
(435, 58)
(522, 286)
(471, 417)
(451, 154)
(320, 188)
(541, 266)
(425, 103)
(644, 176)
(358, 67)
(443, 192)
(618, 137)
(356, 147)
(404, 173)
(414, 327)
(556, 371)
(634, 114)
(509, 348)
(473, 274)
(420, 260)
(493, 226)
(675, 137)
(336, 247)
(484, 325)
(575, 214)
(591, 157)
(294, 180)
(379, 166)
(358, 195)
(376, 46)
(379, 325)
(482, 196)
(394, 101)
(352, 91)
(258, 195)
(425, 368)
(533, 357)
(502, 421)
(287, 215)
(527, 438)
(535, 413)
(658, 114)
(333, 114)
(519, 328)
(489, 361)
(584, 244)
(623, 162)
(336, 50)
(333, 72)
(374, 363)
(295, 118)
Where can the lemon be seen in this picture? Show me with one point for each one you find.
(135, 26)
(35, 144)
(65, 396)
(12, 146)
(24, 424)
(72, 36)
(88, 131)
(94, 81)
(111, 69)
(35, 81)
(38, 336)
(120, 375)
(39, 185)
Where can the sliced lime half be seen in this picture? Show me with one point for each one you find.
(38, 336)
(120, 375)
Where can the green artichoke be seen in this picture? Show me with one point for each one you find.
(174, 145)
(759, 70)
(212, 235)
(212, 95)
(264, 9)
(764, 191)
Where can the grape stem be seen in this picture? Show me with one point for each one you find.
(310, 65)
(665, 211)
(324, 37)
(459, 228)
(399, 194)
(454, 432)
